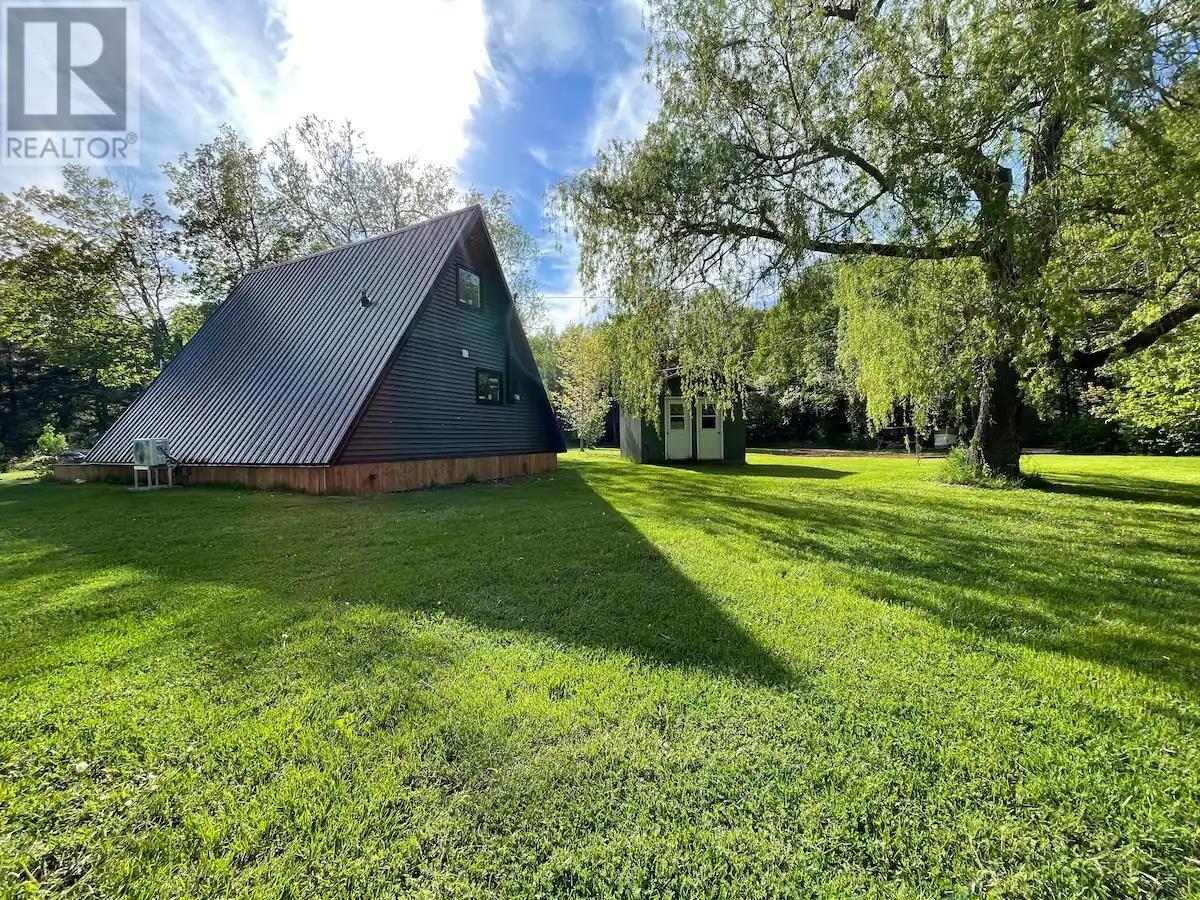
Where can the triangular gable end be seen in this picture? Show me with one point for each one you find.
(425, 404)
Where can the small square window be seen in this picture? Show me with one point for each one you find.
(708, 416)
(468, 288)
(489, 386)
(677, 420)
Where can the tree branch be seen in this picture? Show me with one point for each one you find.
(848, 155)
(1094, 359)
(737, 231)
(895, 251)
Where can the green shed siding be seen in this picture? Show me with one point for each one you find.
(735, 436)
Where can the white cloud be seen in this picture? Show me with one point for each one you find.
(631, 21)
(568, 303)
(624, 105)
(406, 74)
(541, 34)
(203, 68)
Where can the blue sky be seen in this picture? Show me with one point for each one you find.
(515, 94)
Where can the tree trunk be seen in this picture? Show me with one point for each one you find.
(99, 407)
(996, 441)
(9, 427)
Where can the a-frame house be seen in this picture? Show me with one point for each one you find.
(394, 363)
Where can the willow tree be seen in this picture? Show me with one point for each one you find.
(917, 131)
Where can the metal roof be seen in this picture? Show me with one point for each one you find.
(278, 373)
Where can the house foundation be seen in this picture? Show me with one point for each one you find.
(350, 478)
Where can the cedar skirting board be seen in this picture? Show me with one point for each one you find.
(353, 478)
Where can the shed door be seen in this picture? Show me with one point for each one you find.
(710, 436)
(677, 420)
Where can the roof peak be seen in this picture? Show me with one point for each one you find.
(375, 237)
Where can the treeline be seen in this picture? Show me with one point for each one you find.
(99, 288)
(805, 367)
(818, 355)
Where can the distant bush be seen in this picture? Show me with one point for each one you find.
(1162, 441)
(50, 442)
(801, 415)
(50, 445)
(959, 468)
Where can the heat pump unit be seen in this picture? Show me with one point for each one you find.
(150, 452)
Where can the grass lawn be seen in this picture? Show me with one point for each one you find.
(798, 677)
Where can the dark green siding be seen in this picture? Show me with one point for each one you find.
(639, 441)
(425, 406)
(735, 436)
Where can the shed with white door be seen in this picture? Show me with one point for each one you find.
(686, 430)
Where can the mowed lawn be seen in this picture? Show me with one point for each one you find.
(798, 677)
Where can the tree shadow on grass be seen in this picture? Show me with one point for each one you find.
(760, 470)
(229, 571)
(1124, 593)
(1137, 490)
(764, 470)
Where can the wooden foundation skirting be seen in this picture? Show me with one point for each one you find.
(352, 478)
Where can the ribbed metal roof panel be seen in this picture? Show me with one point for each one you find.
(278, 373)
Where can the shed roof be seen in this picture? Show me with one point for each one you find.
(278, 373)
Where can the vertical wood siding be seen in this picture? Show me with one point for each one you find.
(425, 407)
(358, 478)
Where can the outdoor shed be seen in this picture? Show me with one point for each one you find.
(394, 363)
(686, 430)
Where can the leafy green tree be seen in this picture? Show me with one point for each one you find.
(582, 398)
(68, 351)
(704, 337)
(917, 131)
(230, 218)
(912, 335)
(1131, 250)
(50, 442)
(1129, 242)
(543, 343)
(131, 245)
(796, 371)
(1155, 395)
